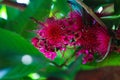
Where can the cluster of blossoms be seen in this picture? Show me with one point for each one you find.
(57, 34)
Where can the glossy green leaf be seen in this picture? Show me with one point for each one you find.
(74, 67)
(12, 13)
(113, 20)
(113, 59)
(60, 7)
(117, 6)
(62, 56)
(95, 3)
(3, 23)
(18, 55)
(23, 24)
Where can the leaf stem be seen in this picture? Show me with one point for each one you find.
(90, 11)
(67, 60)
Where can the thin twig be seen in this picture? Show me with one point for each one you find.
(35, 20)
(90, 11)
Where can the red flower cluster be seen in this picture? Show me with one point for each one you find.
(56, 35)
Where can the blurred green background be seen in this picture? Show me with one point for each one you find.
(19, 60)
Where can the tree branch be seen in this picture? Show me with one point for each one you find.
(90, 11)
(14, 4)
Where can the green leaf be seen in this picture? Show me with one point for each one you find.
(74, 67)
(22, 24)
(2, 23)
(18, 55)
(113, 59)
(62, 56)
(113, 20)
(117, 6)
(52, 70)
(12, 13)
(38, 9)
(61, 6)
(95, 3)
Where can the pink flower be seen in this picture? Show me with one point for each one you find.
(95, 39)
(53, 32)
(55, 35)
(51, 37)
(103, 38)
(87, 38)
(47, 50)
(35, 41)
(87, 56)
(50, 55)
(75, 20)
